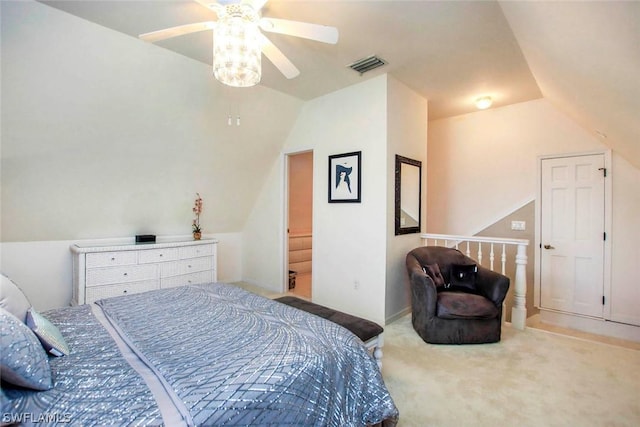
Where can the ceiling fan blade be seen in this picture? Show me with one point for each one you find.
(180, 30)
(278, 59)
(321, 33)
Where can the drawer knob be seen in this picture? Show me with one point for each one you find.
(124, 292)
(126, 274)
(160, 255)
(189, 266)
(113, 258)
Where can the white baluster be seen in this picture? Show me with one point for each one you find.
(491, 257)
(468, 253)
(480, 253)
(504, 258)
(519, 310)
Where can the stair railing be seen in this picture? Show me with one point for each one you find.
(519, 309)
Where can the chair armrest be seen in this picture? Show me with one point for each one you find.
(493, 285)
(424, 295)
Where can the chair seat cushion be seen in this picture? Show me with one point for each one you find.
(460, 305)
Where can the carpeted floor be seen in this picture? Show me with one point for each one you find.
(530, 378)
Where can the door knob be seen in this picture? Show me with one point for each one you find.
(548, 247)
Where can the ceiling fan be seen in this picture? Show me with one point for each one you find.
(238, 42)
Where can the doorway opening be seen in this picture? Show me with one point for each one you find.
(300, 223)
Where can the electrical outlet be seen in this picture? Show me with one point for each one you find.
(356, 284)
(518, 225)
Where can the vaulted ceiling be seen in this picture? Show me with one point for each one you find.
(584, 57)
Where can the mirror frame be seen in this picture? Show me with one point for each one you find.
(400, 160)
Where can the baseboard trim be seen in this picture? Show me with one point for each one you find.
(591, 325)
(397, 316)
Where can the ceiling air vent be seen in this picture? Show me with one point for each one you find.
(367, 64)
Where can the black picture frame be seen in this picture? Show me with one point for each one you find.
(347, 189)
(408, 198)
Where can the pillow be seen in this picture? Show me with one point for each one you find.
(463, 278)
(12, 299)
(23, 361)
(48, 334)
(433, 271)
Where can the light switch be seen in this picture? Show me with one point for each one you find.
(518, 225)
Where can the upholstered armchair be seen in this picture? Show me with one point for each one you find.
(454, 300)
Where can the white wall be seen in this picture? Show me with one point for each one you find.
(349, 239)
(406, 136)
(43, 269)
(263, 236)
(625, 249)
(358, 262)
(482, 166)
(105, 136)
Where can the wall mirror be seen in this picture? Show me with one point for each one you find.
(408, 195)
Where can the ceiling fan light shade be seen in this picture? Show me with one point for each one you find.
(237, 54)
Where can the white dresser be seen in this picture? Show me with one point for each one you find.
(112, 270)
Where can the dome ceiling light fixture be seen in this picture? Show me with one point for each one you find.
(238, 43)
(483, 102)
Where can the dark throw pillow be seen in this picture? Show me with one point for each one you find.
(462, 278)
(433, 271)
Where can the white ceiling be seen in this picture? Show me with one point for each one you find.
(450, 52)
(582, 56)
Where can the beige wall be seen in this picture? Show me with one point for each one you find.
(483, 166)
(300, 193)
(502, 228)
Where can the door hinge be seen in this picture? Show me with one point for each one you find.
(604, 171)
(602, 299)
(604, 235)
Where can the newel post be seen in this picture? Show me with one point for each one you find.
(519, 309)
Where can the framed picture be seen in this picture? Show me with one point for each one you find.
(344, 177)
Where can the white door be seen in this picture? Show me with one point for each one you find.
(572, 234)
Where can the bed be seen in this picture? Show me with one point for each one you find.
(205, 355)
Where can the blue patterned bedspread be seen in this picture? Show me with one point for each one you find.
(93, 386)
(235, 358)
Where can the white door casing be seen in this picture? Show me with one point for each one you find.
(572, 234)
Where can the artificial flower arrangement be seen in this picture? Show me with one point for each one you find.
(197, 210)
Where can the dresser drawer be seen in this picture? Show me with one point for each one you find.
(186, 266)
(99, 292)
(125, 274)
(187, 279)
(105, 259)
(157, 255)
(126, 268)
(196, 251)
